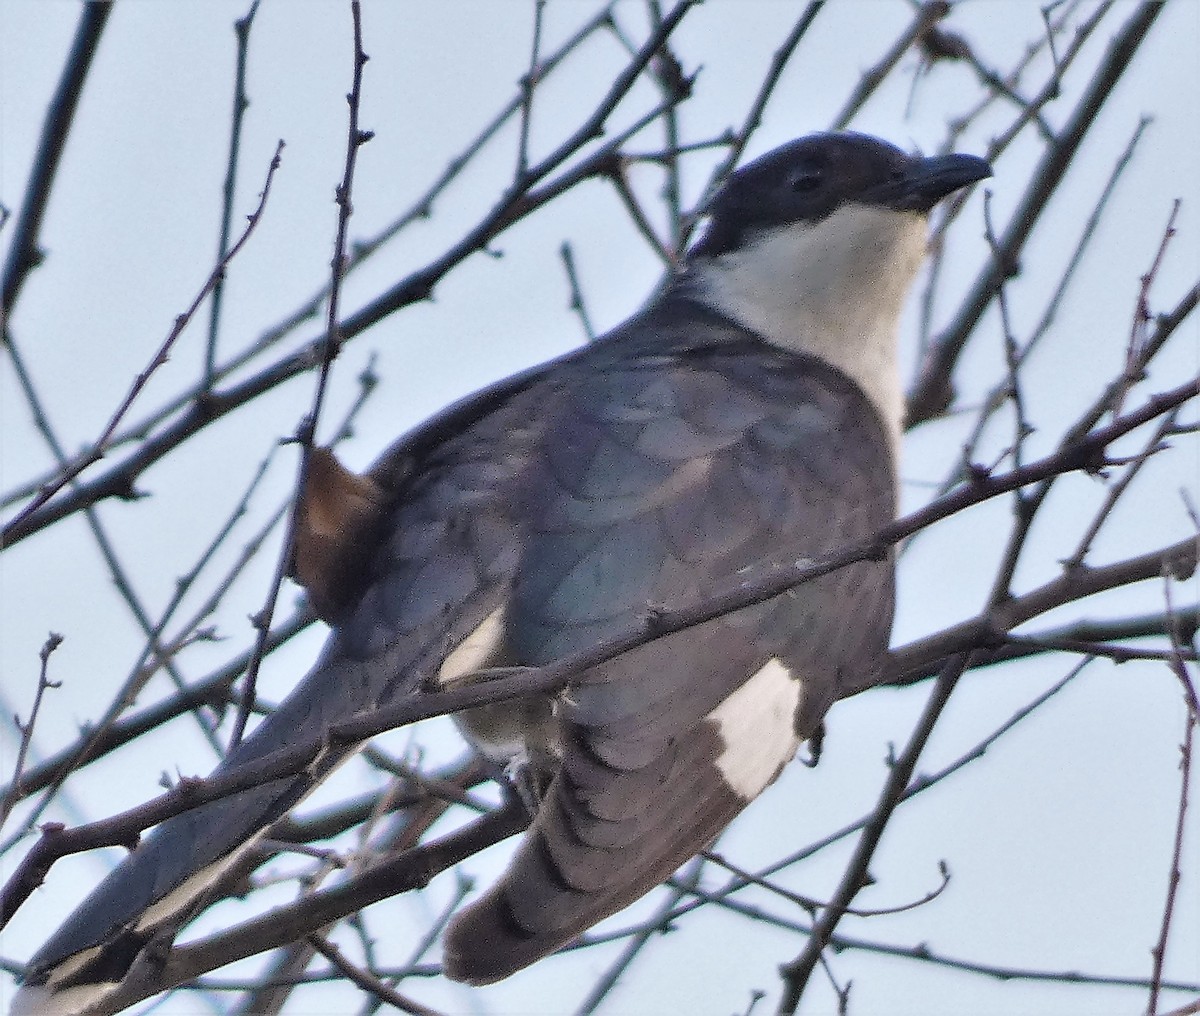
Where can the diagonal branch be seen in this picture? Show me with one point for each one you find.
(24, 255)
(1178, 560)
(934, 392)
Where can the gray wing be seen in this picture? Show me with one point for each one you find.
(446, 561)
(568, 500)
(670, 477)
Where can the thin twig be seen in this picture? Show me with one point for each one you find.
(686, 882)
(933, 392)
(1138, 338)
(750, 122)
(1175, 873)
(1179, 559)
(1153, 445)
(676, 87)
(797, 972)
(77, 466)
(355, 139)
(1013, 355)
(367, 981)
(927, 14)
(528, 83)
(811, 906)
(577, 305)
(241, 103)
(667, 254)
(53, 641)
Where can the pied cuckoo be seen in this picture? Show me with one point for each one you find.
(750, 413)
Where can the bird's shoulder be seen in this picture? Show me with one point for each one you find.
(664, 363)
(644, 467)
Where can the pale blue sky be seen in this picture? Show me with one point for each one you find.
(1058, 840)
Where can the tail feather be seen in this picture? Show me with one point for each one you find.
(187, 861)
(564, 879)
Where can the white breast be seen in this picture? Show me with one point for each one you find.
(833, 289)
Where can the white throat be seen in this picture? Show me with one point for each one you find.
(833, 289)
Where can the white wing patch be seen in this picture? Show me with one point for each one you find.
(757, 726)
(472, 652)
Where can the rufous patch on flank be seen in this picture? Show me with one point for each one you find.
(339, 514)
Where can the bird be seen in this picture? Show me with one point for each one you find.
(749, 414)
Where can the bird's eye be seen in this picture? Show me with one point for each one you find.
(805, 178)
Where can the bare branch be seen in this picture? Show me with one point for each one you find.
(409, 870)
(241, 103)
(1175, 874)
(1179, 560)
(797, 972)
(367, 981)
(24, 254)
(933, 392)
(16, 528)
(355, 139)
(53, 641)
(518, 202)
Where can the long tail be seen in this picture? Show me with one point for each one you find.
(184, 865)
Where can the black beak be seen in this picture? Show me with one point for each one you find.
(927, 181)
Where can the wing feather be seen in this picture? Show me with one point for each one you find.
(752, 455)
(658, 466)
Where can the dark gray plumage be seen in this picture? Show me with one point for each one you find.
(749, 415)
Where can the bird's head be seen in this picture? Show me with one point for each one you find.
(815, 185)
(815, 245)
